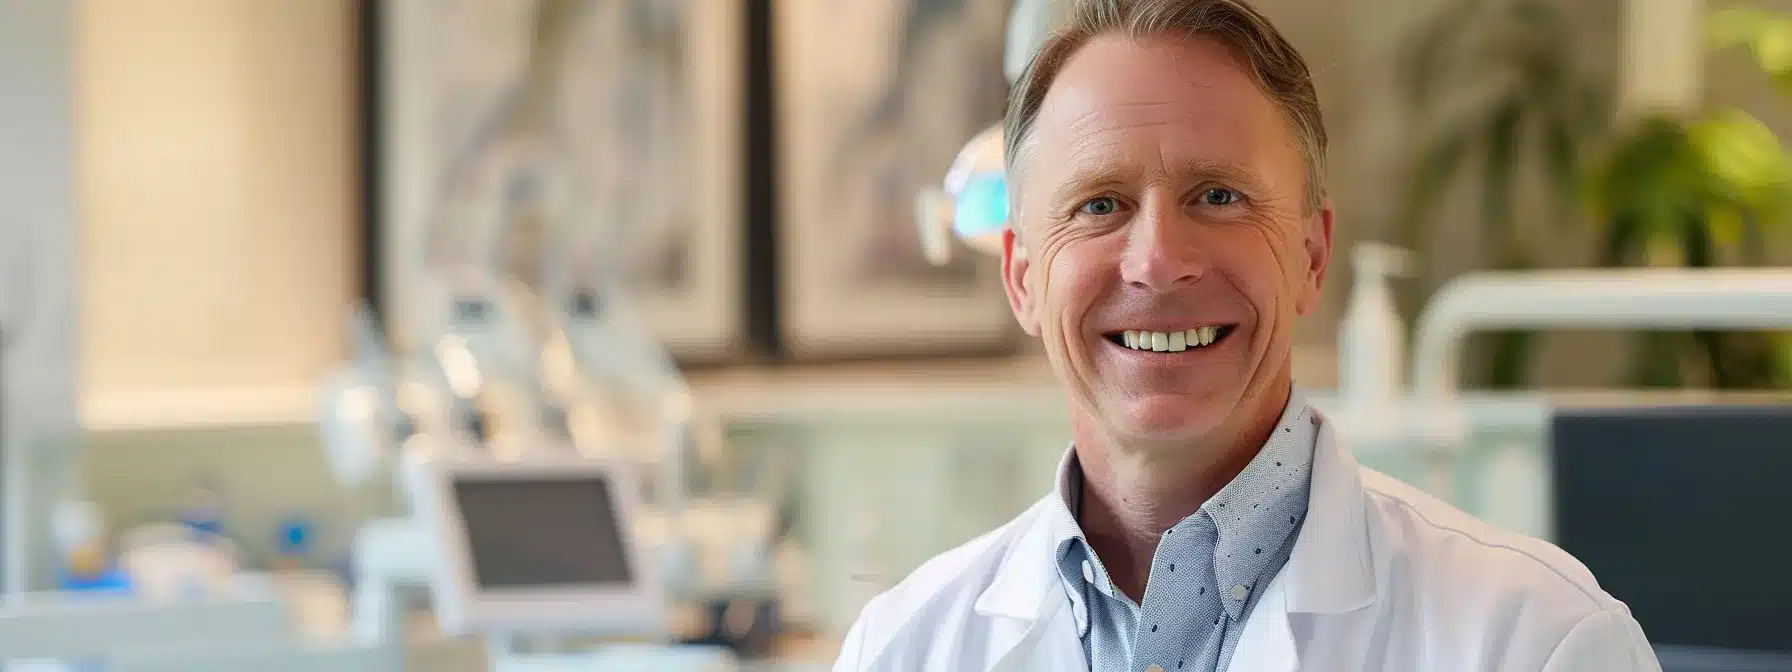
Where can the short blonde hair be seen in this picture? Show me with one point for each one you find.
(1275, 65)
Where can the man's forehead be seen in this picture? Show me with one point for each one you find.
(1117, 80)
(1175, 102)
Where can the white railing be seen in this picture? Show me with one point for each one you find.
(1656, 299)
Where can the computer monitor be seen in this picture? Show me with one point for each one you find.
(1679, 512)
(537, 545)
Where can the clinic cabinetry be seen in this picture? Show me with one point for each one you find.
(877, 493)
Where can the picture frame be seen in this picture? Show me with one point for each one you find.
(873, 102)
(435, 64)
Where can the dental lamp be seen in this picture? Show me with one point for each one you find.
(972, 204)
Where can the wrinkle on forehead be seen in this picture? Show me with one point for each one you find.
(1097, 92)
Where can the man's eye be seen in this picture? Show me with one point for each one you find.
(1102, 206)
(1219, 196)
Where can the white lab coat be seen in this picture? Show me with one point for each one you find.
(1383, 577)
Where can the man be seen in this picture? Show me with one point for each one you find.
(1169, 224)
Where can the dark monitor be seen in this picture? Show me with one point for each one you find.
(1681, 513)
(542, 532)
(537, 543)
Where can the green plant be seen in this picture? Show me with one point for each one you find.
(1766, 34)
(1703, 192)
(1695, 191)
(1768, 37)
(1698, 193)
(1497, 92)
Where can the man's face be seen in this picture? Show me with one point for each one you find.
(1164, 194)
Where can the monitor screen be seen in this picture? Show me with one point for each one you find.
(542, 532)
(1679, 512)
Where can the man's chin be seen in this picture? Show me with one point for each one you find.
(1167, 418)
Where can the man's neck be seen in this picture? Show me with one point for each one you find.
(1130, 496)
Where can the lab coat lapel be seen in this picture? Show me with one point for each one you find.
(1267, 643)
(1031, 626)
(1330, 571)
(1048, 644)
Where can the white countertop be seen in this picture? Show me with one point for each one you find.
(993, 389)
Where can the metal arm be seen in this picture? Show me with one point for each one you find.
(1639, 299)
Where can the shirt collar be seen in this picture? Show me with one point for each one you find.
(1259, 512)
(1275, 481)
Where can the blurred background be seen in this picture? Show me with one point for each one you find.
(219, 217)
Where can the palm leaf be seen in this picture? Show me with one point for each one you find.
(1621, 241)
(1432, 53)
(1501, 155)
(1561, 163)
(1765, 34)
(1431, 177)
(1785, 356)
(1658, 362)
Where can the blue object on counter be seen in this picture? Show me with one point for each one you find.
(294, 536)
(111, 581)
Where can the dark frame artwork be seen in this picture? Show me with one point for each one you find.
(809, 248)
(694, 301)
(874, 101)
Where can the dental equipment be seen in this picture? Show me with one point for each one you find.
(538, 371)
(1593, 299)
(973, 203)
(545, 547)
(1434, 422)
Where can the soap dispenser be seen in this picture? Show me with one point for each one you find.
(1371, 339)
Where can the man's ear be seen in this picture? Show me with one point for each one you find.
(1318, 244)
(1014, 279)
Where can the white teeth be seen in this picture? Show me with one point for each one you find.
(1174, 341)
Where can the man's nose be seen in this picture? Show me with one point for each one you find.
(1162, 250)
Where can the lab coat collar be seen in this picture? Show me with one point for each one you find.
(1027, 577)
(1330, 570)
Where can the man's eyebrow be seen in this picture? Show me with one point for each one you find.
(1223, 171)
(1092, 178)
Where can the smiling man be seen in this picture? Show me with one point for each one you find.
(1169, 226)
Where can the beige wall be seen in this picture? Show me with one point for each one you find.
(218, 189)
(1353, 48)
(218, 193)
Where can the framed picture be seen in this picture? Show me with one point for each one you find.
(874, 101)
(651, 101)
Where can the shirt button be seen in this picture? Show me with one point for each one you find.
(1155, 668)
(1088, 572)
(1238, 592)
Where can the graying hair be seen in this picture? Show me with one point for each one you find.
(1275, 65)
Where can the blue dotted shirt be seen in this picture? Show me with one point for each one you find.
(1207, 569)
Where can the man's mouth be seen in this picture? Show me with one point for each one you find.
(1194, 338)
